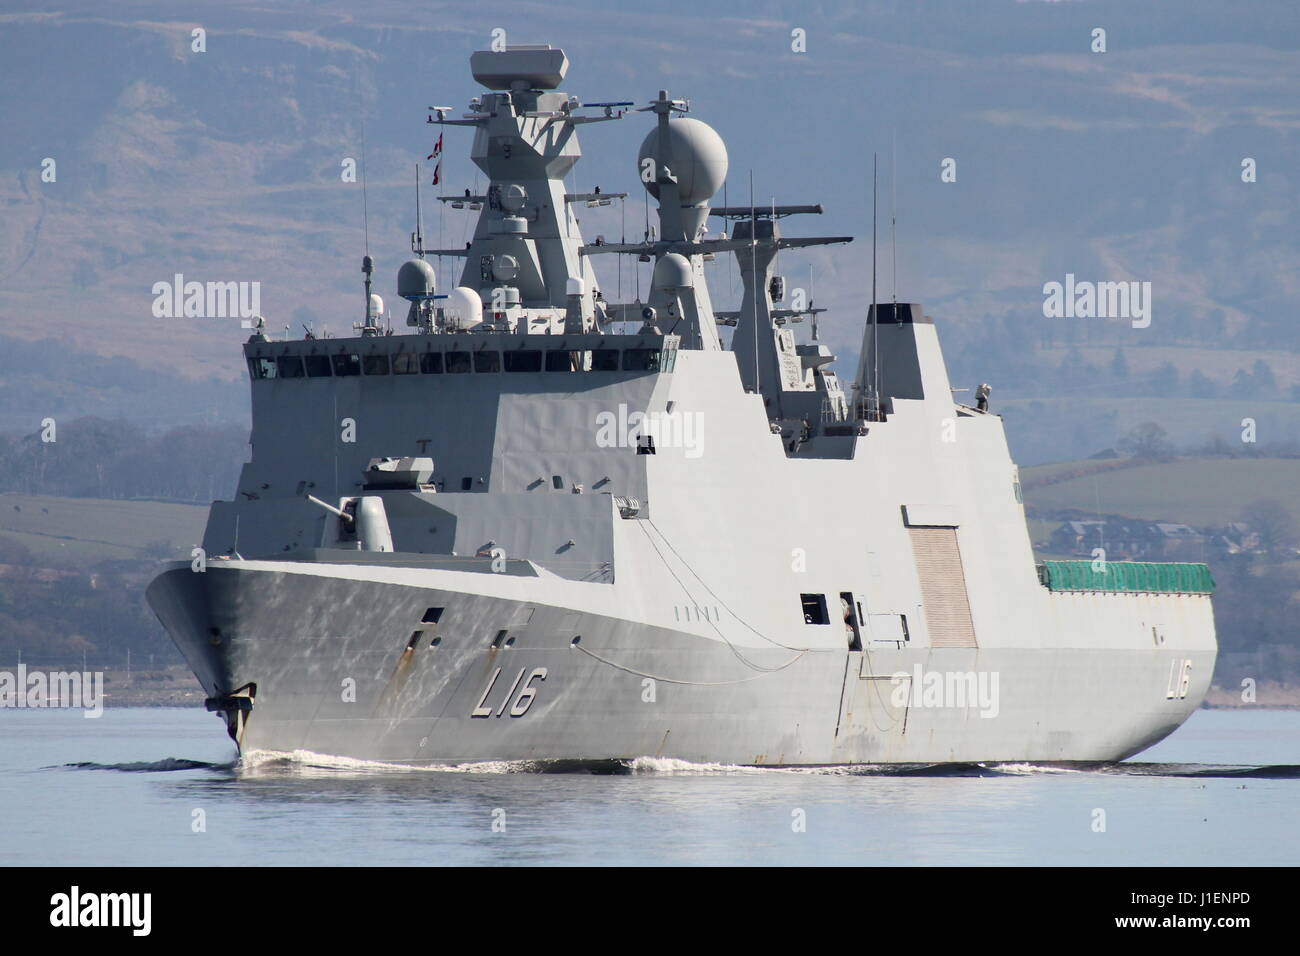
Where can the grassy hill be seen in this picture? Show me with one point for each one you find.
(1203, 492)
(1041, 429)
(86, 530)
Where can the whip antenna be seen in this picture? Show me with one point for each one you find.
(875, 324)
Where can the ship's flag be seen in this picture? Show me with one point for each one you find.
(437, 148)
(437, 174)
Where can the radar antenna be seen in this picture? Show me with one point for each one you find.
(893, 226)
(417, 241)
(368, 326)
(753, 267)
(875, 323)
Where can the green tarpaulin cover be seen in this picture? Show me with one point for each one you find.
(1127, 576)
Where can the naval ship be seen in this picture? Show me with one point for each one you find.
(542, 526)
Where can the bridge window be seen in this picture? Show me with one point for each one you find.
(565, 361)
(523, 361)
(346, 364)
(641, 360)
(557, 482)
(814, 608)
(434, 363)
(262, 368)
(466, 484)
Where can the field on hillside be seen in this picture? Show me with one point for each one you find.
(1203, 492)
(83, 530)
(1188, 421)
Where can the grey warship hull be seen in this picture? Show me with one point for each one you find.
(543, 698)
(528, 532)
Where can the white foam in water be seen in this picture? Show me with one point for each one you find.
(1025, 768)
(671, 765)
(307, 762)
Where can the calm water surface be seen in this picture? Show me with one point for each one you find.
(105, 792)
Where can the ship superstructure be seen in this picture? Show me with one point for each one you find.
(542, 525)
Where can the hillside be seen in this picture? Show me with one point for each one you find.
(73, 573)
(1048, 429)
(1203, 492)
(77, 531)
(229, 164)
(1257, 586)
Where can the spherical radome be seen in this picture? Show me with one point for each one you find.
(696, 155)
(673, 272)
(463, 308)
(415, 280)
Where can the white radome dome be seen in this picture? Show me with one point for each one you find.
(697, 156)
